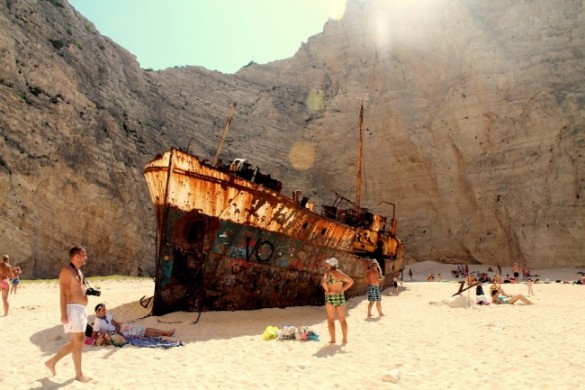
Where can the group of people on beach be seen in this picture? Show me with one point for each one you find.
(8, 275)
(73, 301)
(463, 271)
(497, 293)
(336, 283)
(73, 292)
(433, 278)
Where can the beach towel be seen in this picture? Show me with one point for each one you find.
(153, 342)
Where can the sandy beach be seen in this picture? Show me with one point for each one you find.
(420, 343)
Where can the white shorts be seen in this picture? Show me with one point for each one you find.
(132, 331)
(77, 319)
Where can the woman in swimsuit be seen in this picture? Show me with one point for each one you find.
(499, 296)
(335, 283)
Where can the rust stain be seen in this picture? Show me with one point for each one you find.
(212, 224)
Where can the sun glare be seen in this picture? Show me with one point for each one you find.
(302, 155)
(336, 8)
(407, 21)
(315, 100)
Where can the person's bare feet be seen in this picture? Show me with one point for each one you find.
(170, 332)
(51, 367)
(82, 379)
(332, 342)
(344, 341)
(369, 315)
(381, 315)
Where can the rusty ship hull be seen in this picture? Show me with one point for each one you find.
(228, 243)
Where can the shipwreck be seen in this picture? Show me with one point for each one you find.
(228, 239)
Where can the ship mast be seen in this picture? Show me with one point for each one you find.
(359, 166)
(225, 129)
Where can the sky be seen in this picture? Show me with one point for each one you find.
(222, 35)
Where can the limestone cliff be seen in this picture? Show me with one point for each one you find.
(474, 128)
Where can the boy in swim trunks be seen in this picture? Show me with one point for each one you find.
(373, 276)
(73, 301)
(16, 271)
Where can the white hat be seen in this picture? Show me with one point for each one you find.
(333, 262)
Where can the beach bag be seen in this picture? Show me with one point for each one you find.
(271, 332)
(117, 340)
(287, 332)
(302, 333)
(111, 338)
(88, 330)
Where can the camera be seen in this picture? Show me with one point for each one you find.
(93, 291)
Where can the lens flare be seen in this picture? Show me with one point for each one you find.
(302, 155)
(315, 100)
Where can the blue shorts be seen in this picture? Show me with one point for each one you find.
(374, 294)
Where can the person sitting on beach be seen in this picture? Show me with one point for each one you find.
(374, 276)
(499, 296)
(335, 283)
(480, 297)
(105, 323)
(430, 277)
(484, 278)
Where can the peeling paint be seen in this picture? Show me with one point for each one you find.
(227, 243)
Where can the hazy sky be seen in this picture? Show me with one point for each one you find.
(222, 35)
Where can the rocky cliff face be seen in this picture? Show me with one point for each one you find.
(474, 128)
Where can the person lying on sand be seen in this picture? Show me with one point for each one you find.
(105, 322)
(499, 296)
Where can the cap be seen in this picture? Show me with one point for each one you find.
(333, 262)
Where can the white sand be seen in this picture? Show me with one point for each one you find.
(421, 342)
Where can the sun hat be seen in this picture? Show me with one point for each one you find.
(332, 262)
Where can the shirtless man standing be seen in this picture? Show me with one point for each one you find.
(73, 313)
(374, 276)
(5, 275)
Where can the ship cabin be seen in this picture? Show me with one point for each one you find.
(374, 237)
(243, 169)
